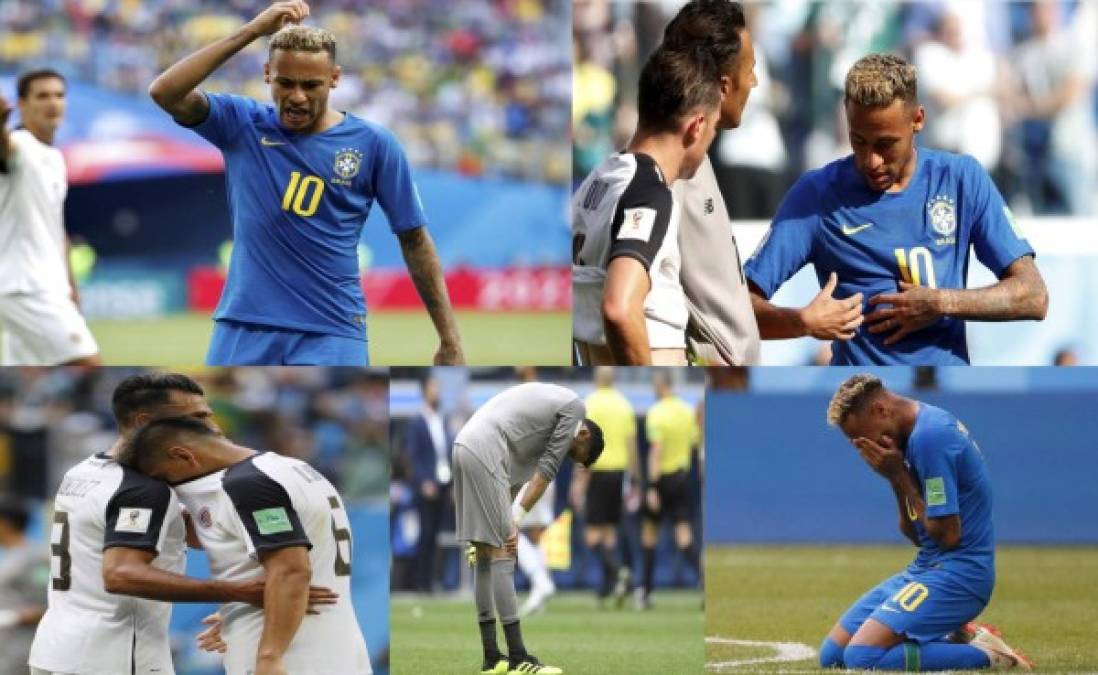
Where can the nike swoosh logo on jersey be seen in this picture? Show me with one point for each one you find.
(851, 231)
(263, 140)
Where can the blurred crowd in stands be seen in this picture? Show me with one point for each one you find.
(337, 420)
(1011, 83)
(477, 86)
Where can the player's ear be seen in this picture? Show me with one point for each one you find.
(919, 119)
(267, 72)
(726, 86)
(182, 453)
(336, 73)
(694, 129)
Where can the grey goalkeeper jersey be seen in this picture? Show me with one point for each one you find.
(523, 429)
(722, 329)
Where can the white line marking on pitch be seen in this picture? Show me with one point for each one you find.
(783, 652)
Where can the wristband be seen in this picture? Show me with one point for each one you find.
(517, 512)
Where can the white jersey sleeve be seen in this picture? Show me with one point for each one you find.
(87, 630)
(263, 504)
(625, 209)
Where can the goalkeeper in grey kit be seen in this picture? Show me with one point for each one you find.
(520, 436)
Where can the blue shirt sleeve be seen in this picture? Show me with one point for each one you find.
(935, 461)
(996, 237)
(787, 246)
(228, 113)
(395, 189)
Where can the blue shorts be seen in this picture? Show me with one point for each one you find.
(924, 607)
(245, 344)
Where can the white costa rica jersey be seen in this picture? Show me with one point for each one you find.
(32, 231)
(86, 630)
(625, 208)
(265, 503)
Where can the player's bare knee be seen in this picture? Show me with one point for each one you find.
(839, 635)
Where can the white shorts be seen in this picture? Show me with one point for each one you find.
(42, 329)
(542, 513)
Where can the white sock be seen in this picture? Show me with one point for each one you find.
(531, 560)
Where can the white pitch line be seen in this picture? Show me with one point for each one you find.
(784, 652)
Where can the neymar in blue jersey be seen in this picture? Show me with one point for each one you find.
(889, 229)
(923, 617)
(301, 179)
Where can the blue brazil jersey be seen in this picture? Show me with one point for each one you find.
(951, 473)
(873, 240)
(298, 203)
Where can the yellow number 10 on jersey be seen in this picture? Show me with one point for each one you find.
(910, 263)
(911, 596)
(297, 191)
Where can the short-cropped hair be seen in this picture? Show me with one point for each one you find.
(674, 83)
(877, 80)
(152, 440)
(852, 396)
(715, 25)
(144, 392)
(297, 38)
(23, 84)
(595, 444)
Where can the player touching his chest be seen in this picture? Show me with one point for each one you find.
(302, 179)
(888, 230)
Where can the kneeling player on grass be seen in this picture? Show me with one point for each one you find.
(519, 437)
(944, 496)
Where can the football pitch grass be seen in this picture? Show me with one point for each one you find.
(439, 635)
(396, 338)
(1045, 602)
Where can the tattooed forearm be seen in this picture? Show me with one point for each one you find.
(426, 271)
(1020, 294)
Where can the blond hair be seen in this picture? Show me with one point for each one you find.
(852, 395)
(879, 79)
(297, 38)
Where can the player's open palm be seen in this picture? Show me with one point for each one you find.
(272, 19)
(913, 308)
(829, 318)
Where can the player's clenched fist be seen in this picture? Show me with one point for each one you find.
(278, 15)
(828, 318)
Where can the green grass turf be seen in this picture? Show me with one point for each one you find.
(1044, 600)
(396, 338)
(439, 636)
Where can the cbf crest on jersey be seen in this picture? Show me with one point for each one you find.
(347, 163)
(943, 218)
